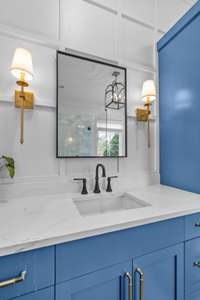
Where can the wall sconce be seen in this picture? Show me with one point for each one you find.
(22, 69)
(148, 96)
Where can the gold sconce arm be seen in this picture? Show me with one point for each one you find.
(23, 100)
(142, 115)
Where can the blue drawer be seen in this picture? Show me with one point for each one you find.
(192, 265)
(192, 226)
(47, 294)
(39, 268)
(88, 255)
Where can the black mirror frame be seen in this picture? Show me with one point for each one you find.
(125, 109)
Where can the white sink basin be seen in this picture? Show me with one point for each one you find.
(104, 203)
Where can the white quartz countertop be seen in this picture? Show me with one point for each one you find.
(35, 222)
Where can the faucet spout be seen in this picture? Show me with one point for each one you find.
(96, 188)
(103, 170)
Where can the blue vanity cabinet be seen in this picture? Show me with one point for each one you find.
(160, 275)
(80, 257)
(192, 266)
(39, 268)
(111, 283)
(95, 268)
(157, 258)
(179, 103)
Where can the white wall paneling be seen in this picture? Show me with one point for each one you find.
(141, 10)
(170, 11)
(109, 5)
(37, 156)
(136, 43)
(88, 28)
(36, 16)
(119, 30)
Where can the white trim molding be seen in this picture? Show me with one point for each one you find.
(38, 102)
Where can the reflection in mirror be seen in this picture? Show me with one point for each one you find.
(91, 108)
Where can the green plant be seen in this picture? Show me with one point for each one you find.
(9, 163)
(114, 146)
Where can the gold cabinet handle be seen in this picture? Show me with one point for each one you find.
(196, 264)
(141, 274)
(14, 280)
(130, 285)
(197, 224)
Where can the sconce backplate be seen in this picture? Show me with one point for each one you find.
(142, 115)
(28, 101)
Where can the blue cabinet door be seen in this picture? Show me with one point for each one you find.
(46, 294)
(38, 266)
(106, 284)
(160, 275)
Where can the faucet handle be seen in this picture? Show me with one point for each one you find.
(109, 188)
(84, 189)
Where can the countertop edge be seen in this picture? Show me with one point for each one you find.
(37, 244)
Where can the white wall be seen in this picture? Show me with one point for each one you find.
(120, 30)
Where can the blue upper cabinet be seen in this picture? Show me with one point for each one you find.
(179, 83)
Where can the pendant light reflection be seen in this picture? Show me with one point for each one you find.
(115, 93)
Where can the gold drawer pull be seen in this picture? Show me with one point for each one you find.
(15, 280)
(196, 264)
(141, 274)
(130, 285)
(197, 224)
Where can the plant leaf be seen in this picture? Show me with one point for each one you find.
(10, 165)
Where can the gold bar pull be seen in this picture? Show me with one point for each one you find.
(130, 285)
(15, 280)
(141, 274)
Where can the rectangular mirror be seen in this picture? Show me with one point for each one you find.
(91, 108)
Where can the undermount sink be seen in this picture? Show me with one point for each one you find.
(101, 204)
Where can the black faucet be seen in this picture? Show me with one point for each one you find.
(96, 188)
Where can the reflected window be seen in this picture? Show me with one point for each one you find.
(109, 139)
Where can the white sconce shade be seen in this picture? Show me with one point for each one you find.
(22, 63)
(149, 91)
